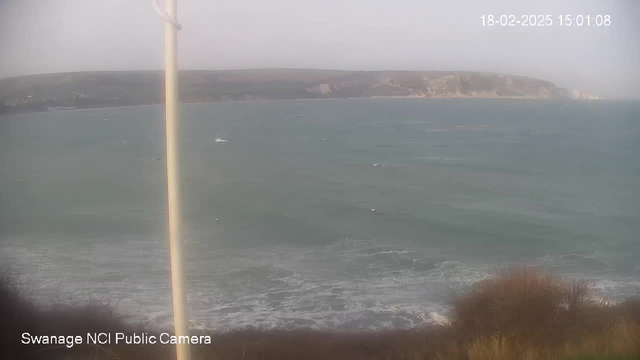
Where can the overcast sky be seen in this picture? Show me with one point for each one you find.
(43, 36)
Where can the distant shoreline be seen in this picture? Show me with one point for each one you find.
(92, 90)
(317, 99)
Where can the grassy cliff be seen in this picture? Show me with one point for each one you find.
(124, 88)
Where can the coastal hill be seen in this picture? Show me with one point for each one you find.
(123, 88)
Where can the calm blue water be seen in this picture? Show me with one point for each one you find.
(459, 187)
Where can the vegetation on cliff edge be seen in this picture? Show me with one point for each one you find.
(521, 313)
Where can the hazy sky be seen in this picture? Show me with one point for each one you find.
(42, 36)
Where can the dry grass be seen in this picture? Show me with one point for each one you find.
(621, 340)
(521, 313)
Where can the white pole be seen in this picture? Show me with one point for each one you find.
(180, 311)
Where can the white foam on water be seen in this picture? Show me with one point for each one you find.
(439, 319)
(351, 284)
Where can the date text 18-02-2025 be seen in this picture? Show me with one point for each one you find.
(546, 20)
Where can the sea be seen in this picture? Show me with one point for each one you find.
(347, 214)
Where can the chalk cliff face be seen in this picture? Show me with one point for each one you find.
(581, 95)
(120, 88)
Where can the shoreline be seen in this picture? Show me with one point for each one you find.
(336, 98)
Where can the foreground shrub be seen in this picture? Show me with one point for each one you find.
(527, 304)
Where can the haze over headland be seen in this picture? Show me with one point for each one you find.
(130, 88)
(49, 36)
